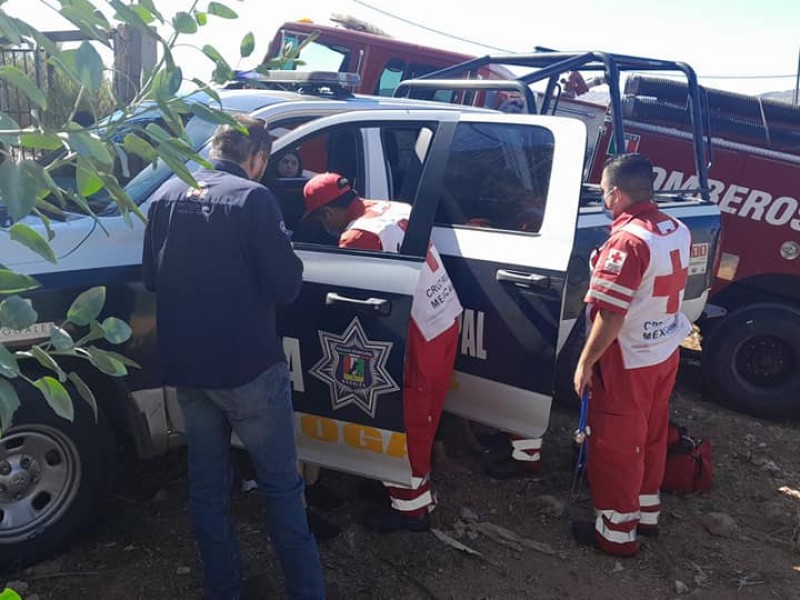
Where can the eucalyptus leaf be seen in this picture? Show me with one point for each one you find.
(213, 54)
(84, 391)
(40, 140)
(13, 76)
(123, 359)
(17, 313)
(212, 93)
(6, 122)
(90, 66)
(48, 362)
(212, 115)
(87, 306)
(86, 177)
(57, 397)
(14, 283)
(183, 22)
(144, 14)
(46, 222)
(33, 240)
(87, 144)
(9, 403)
(167, 82)
(107, 363)
(222, 73)
(20, 185)
(61, 339)
(135, 144)
(151, 6)
(8, 363)
(95, 332)
(202, 18)
(247, 45)
(116, 330)
(8, 28)
(220, 10)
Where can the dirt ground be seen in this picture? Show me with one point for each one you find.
(144, 548)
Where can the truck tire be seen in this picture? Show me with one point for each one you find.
(54, 476)
(751, 361)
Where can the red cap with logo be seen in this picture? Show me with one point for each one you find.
(323, 189)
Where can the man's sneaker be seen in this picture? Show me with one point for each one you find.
(390, 520)
(322, 529)
(583, 532)
(318, 496)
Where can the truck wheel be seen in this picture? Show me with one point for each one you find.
(53, 476)
(751, 361)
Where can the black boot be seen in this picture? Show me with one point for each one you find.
(584, 533)
(322, 529)
(318, 496)
(390, 520)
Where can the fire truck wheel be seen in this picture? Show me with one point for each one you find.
(751, 361)
(53, 476)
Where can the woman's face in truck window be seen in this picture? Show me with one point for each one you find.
(289, 165)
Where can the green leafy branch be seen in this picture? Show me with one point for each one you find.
(18, 314)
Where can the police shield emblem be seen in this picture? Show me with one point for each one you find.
(354, 368)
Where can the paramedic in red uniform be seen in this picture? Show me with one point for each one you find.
(432, 337)
(630, 359)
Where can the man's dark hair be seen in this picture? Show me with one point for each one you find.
(632, 173)
(231, 144)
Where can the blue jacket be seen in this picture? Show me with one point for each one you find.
(219, 259)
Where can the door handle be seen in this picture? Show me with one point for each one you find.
(528, 280)
(379, 306)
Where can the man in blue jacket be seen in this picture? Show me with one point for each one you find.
(219, 258)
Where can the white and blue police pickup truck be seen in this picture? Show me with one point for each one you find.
(501, 195)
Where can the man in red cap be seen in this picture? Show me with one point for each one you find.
(432, 337)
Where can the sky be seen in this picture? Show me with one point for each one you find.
(736, 45)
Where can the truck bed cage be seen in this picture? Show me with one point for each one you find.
(549, 66)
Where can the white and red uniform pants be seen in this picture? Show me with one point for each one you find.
(527, 452)
(426, 379)
(629, 421)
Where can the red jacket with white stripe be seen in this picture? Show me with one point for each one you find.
(641, 273)
(380, 225)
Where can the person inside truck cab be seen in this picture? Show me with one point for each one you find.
(290, 164)
(432, 337)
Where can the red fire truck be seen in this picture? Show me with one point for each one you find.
(382, 62)
(751, 329)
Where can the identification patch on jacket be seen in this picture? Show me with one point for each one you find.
(615, 260)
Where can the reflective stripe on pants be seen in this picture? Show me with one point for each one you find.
(628, 417)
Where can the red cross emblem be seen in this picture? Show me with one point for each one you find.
(670, 286)
(616, 257)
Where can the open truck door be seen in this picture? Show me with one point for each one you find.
(345, 335)
(505, 227)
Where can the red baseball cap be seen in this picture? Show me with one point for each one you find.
(323, 189)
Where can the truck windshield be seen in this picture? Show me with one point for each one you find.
(316, 56)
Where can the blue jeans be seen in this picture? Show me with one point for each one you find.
(260, 412)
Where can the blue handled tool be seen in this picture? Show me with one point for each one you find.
(581, 438)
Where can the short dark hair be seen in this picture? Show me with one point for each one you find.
(632, 173)
(229, 143)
